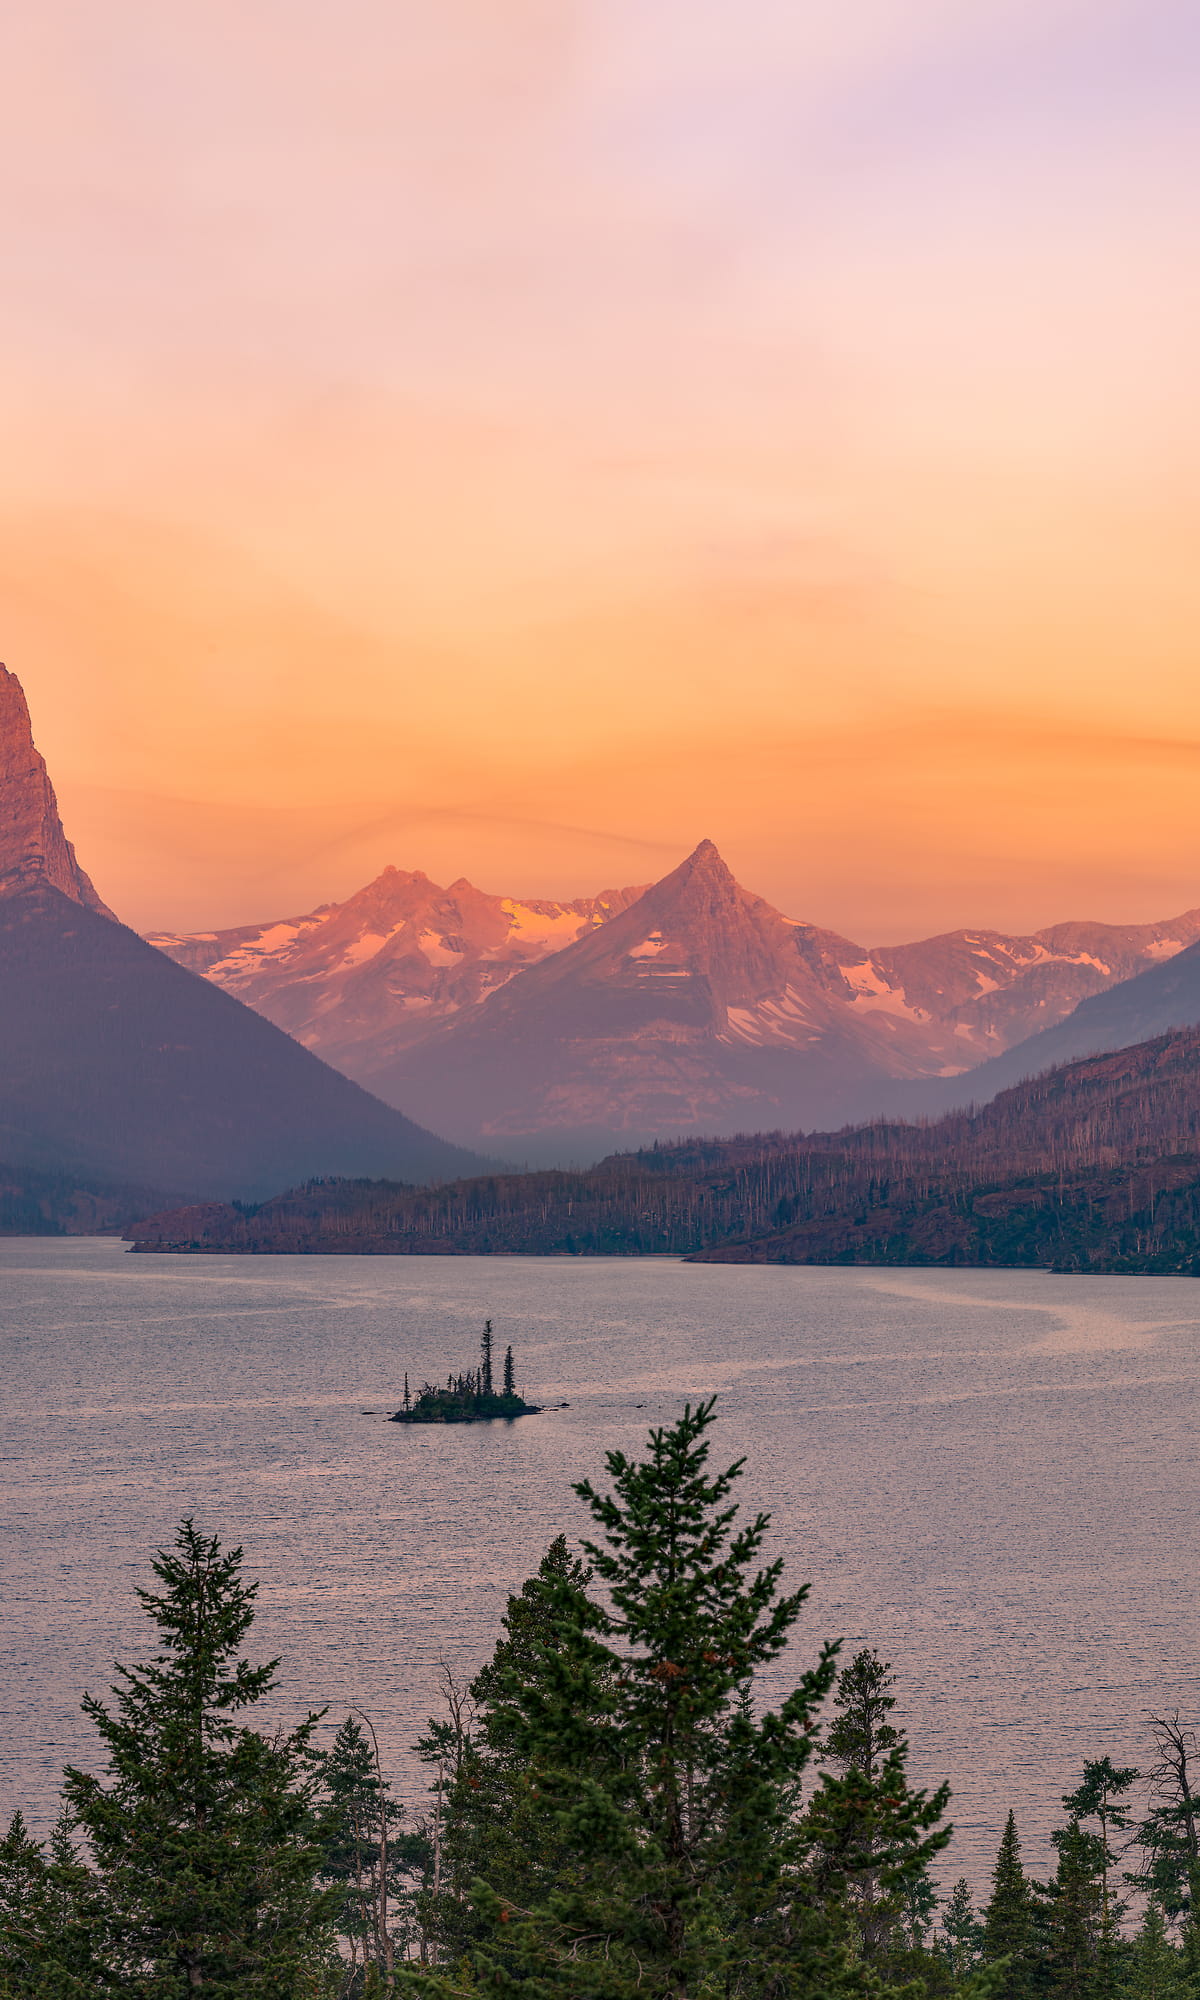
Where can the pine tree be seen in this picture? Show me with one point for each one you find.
(1074, 1917)
(494, 1824)
(1099, 1797)
(367, 1854)
(485, 1385)
(1169, 1835)
(204, 1838)
(961, 1931)
(1156, 1970)
(671, 1804)
(872, 1835)
(49, 1920)
(1010, 1921)
(510, 1384)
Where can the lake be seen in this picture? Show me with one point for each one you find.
(989, 1476)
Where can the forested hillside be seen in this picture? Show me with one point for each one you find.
(1093, 1166)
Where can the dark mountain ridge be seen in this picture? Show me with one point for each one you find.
(1055, 1157)
(116, 1064)
(1154, 1002)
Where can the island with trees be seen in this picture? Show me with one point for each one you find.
(470, 1398)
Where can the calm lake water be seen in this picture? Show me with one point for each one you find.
(991, 1477)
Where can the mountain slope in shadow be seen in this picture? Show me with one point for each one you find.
(1154, 1002)
(118, 1065)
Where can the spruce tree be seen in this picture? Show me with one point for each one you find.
(510, 1383)
(1100, 1797)
(1010, 1921)
(495, 1826)
(1076, 1963)
(203, 1836)
(961, 1931)
(1156, 1971)
(669, 1803)
(367, 1855)
(872, 1834)
(50, 1920)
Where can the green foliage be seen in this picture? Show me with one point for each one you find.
(367, 1855)
(616, 1815)
(1073, 1917)
(203, 1840)
(49, 1919)
(666, 1851)
(872, 1835)
(1169, 1833)
(1010, 1933)
(1100, 1797)
(494, 1824)
(961, 1932)
(1156, 1970)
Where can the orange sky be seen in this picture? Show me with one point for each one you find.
(517, 438)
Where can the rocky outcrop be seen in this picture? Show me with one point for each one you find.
(33, 847)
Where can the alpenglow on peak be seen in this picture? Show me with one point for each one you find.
(33, 847)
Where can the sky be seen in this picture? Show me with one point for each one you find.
(521, 438)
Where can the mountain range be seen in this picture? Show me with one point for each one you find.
(550, 1031)
(119, 1067)
(232, 1063)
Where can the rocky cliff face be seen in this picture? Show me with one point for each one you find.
(33, 847)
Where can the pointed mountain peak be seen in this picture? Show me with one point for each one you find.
(704, 861)
(703, 881)
(33, 847)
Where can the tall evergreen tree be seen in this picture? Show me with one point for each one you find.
(872, 1834)
(368, 1856)
(510, 1381)
(670, 1803)
(1169, 1835)
(50, 1920)
(1100, 1797)
(1156, 1971)
(485, 1381)
(1010, 1921)
(1073, 1918)
(961, 1931)
(495, 1825)
(203, 1838)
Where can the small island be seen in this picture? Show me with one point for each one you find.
(467, 1399)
